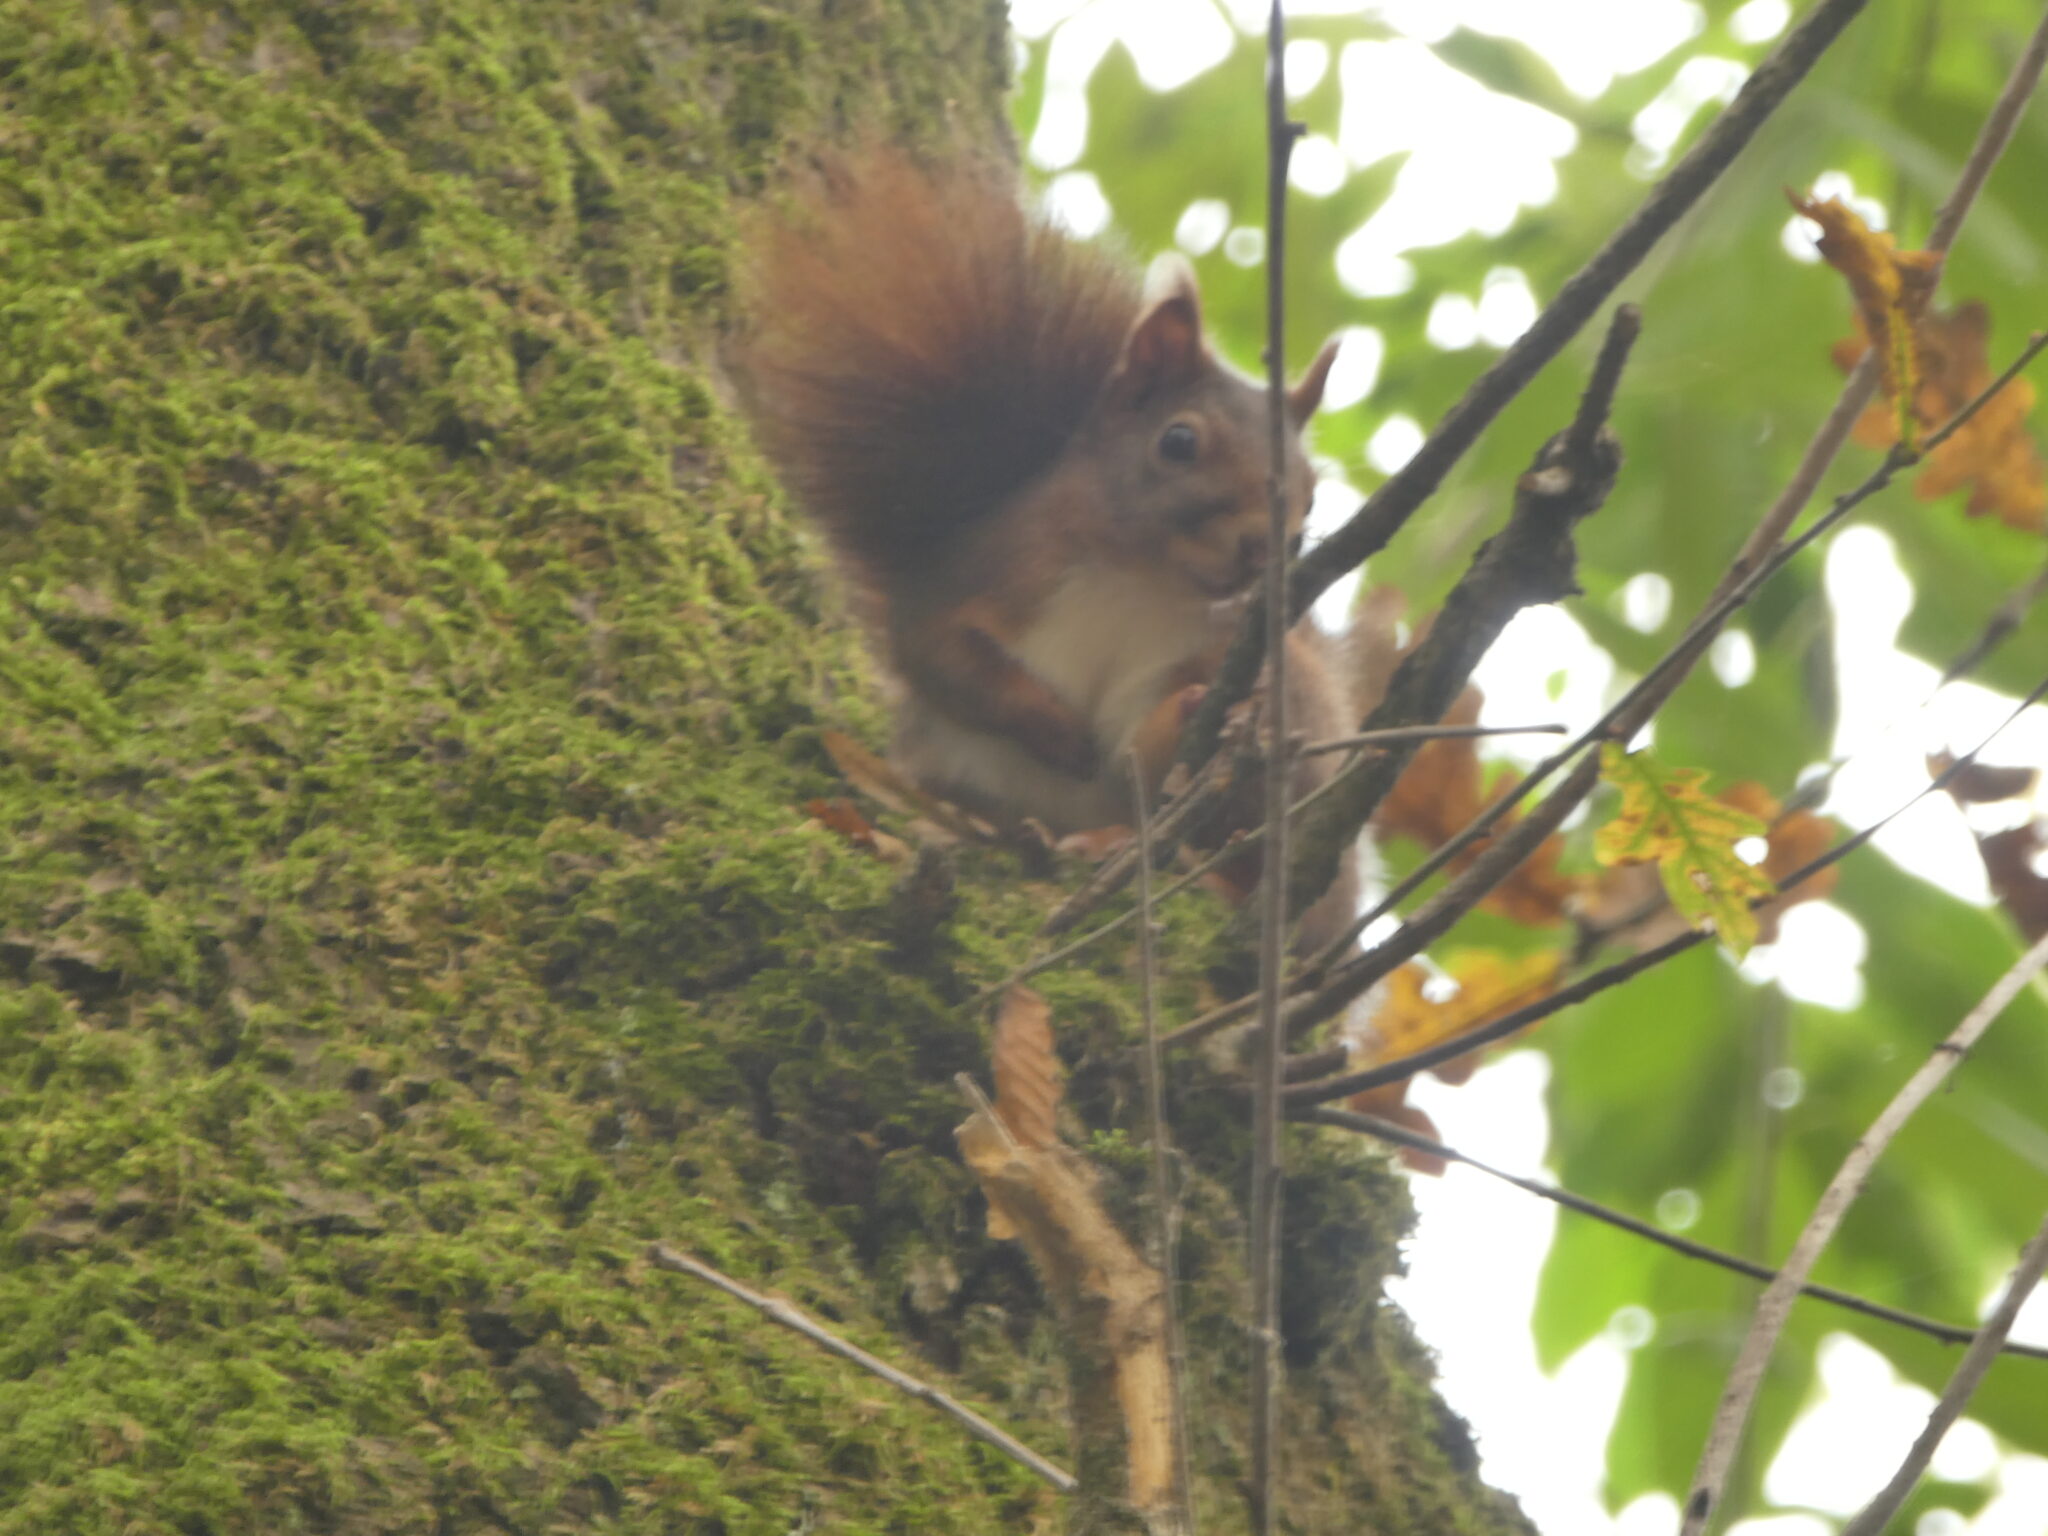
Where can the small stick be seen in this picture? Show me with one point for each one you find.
(1401, 1136)
(1599, 981)
(1775, 1305)
(1388, 509)
(1267, 1168)
(778, 1311)
(2008, 617)
(1968, 1374)
(1165, 1219)
(1115, 871)
(1231, 849)
(1401, 733)
(1621, 720)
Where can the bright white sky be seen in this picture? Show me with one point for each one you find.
(1476, 160)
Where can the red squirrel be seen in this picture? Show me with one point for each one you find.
(1047, 488)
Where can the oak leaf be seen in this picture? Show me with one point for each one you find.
(1983, 783)
(2013, 861)
(1389, 1102)
(1442, 791)
(1795, 840)
(1992, 453)
(1667, 818)
(1485, 985)
(1891, 288)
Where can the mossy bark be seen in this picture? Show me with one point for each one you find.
(410, 686)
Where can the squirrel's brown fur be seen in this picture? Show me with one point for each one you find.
(923, 348)
(1048, 488)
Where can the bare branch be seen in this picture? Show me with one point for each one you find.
(1621, 720)
(1992, 139)
(1531, 560)
(779, 1311)
(1325, 1090)
(2006, 618)
(1165, 1217)
(1764, 550)
(1267, 1170)
(1420, 733)
(1401, 1136)
(1177, 818)
(1775, 1305)
(1389, 507)
(1962, 1385)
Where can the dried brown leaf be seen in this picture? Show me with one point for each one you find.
(1992, 453)
(1442, 791)
(1027, 1072)
(1891, 289)
(2013, 860)
(1983, 783)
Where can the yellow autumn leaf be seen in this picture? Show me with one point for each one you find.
(1487, 985)
(1891, 288)
(1667, 818)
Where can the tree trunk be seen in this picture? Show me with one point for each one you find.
(410, 692)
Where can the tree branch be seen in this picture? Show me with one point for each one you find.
(1775, 1305)
(1620, 721)
(1267, 1169)
(1327, 1089)
(1165, 1219)
(1969, 1372)
(1401, 1136)
(1421, 733)
(1389, 507)
(781, 1312)
(1530, 561)
(1764, 548)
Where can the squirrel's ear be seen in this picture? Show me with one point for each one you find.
(1307, 394)
(1165, 345)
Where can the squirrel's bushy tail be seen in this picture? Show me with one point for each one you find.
(921, 348)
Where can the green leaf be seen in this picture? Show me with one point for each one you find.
(1666, 817)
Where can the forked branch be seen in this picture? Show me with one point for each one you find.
(1389, 508)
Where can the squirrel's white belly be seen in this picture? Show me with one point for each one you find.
(1108, 642)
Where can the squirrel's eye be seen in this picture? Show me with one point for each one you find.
(1178, 444)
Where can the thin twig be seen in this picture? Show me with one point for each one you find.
(778, 1311)
(1775, 1305)
(1401, 1136)
(1267, 1168)
(1507, 1024)
(1305, 1012)
(1531, 560)
(1992, 139)
(1581, 297)
(1969, 1372)
(1621, 720)
(1407, 733)
(1766, 540)
(2006, 618)
(1167, 834)
(1235, 847)
(1165, 1218)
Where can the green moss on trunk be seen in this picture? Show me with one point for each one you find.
(409, 688)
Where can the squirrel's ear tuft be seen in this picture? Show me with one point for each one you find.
(1165, 346)
(1307, 393)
